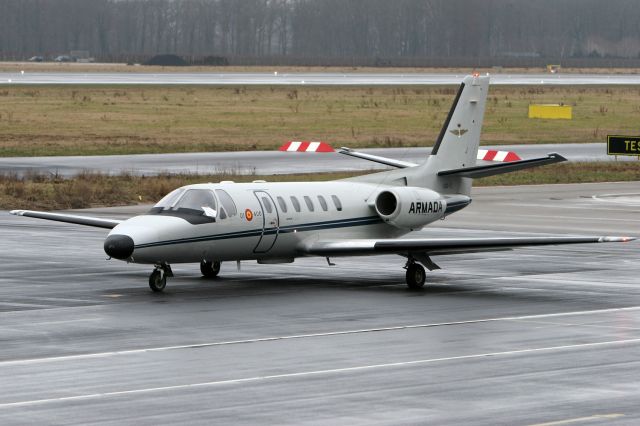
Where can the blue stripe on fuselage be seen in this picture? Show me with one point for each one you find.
(313, 226)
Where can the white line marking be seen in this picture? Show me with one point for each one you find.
(316, 373)
(621, 199)
(304, 336)
(597, 219)
(313, 146)
(581, 419)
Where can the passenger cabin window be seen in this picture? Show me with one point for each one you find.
(283, 205)
(267, 204)
(296, 204)
(309, 203)
(227, 204)
(323, 203)
(337, 203)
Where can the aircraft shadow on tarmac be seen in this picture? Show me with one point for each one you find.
(472, 287)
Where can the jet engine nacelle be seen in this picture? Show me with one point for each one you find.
(407, 207)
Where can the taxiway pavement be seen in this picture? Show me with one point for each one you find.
(530, 336)
(325, 79)
(266, 162)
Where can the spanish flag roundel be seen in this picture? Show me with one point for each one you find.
(248, 214)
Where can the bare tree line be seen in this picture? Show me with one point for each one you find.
(322, 28)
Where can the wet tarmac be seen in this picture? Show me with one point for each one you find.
(529, 336)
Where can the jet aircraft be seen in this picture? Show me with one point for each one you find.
(272, 223)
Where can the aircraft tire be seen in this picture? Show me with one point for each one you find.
(416, 276)
(157, 280)
(209, 269)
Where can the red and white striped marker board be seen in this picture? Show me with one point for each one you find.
(503, 156)
(306, 146)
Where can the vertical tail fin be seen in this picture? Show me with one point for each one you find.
(457, 144)
(455, 148)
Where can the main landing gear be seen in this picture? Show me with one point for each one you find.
(158, 278)
(209, 269)
(416, 276)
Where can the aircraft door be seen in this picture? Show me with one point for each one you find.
(270, 222)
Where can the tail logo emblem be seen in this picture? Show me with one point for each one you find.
(459, 132)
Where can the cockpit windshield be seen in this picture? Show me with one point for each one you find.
(192, 202)
(192, 199)
(201, 200)
(196, 205)
(169, 199)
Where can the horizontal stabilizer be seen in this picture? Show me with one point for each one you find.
(68, 218)
(496, 169)
(376, 159)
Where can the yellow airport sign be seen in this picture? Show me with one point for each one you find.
(552, 111)
(623, 145)
(553, 68)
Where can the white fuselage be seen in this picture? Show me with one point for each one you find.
(344, 212)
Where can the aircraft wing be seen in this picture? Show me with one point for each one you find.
(440, 246)
(68, 218)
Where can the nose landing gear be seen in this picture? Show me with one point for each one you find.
(209, 269)
(158, 278)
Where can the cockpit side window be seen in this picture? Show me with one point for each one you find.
(227, 202)
(222, 214)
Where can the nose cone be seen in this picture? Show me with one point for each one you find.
(119, 246)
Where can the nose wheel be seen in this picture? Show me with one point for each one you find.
(158, 278)
(416, 276)
(209, 269)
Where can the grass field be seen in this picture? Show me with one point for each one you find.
(86, 120)
(92, 190)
